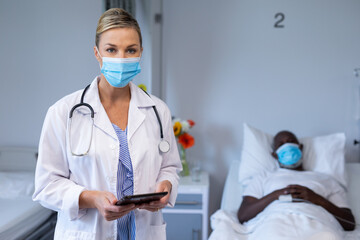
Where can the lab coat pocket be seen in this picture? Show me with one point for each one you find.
(81, 165)
(80, 144)
(85, 164)
(80, 228)
(77, 235)
(158, 232)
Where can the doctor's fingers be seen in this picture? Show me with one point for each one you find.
(108, 196)
(114, 217)
(158, 204)
(153, 207)
(110, 216)
(164, 186)
(164, 200)
(119, 209)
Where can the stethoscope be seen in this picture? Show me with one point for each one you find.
(164, 145)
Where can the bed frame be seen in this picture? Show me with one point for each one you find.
(14, 159)
(45, 231)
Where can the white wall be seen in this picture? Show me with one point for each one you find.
(224, 64)
(46, 53)
(151, 32)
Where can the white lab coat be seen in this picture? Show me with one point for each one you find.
(61, 177)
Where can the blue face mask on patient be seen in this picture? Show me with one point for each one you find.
(289, 155)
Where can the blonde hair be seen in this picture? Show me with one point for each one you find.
(116, 18)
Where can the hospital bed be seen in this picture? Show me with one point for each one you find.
(20, 217)
(225, 220)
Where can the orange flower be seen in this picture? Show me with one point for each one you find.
(191, 123)
(186, 140)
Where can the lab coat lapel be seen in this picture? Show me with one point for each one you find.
(139, 99)
(101, 119)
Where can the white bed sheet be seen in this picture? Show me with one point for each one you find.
(226, 226)
(20, 216)
(16, 184)
(224, 222)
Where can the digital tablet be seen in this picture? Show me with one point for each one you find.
(141, 198)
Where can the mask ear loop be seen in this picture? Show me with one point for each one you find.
(100, 56)
(98, 52)
(140, 57)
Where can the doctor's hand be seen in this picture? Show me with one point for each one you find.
(105, 203)
(164, 186)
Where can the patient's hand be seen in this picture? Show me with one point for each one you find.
(343, 215)
(299, 193)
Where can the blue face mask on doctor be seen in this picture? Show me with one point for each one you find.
(289, 155)
(120, 71)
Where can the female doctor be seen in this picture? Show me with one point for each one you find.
(118, 141)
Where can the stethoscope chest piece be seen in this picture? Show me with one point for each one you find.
(164, 146)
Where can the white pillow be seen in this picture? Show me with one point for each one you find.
(324, 154)
(16, 184)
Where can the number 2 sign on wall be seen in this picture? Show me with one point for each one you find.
(280, 18)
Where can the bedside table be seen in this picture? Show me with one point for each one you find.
(189, 218)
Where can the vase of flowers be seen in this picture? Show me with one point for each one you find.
(184, 140)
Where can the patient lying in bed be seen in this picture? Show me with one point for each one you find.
(306, 198)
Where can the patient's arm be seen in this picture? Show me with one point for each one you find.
(343, 215)
(250, 206)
